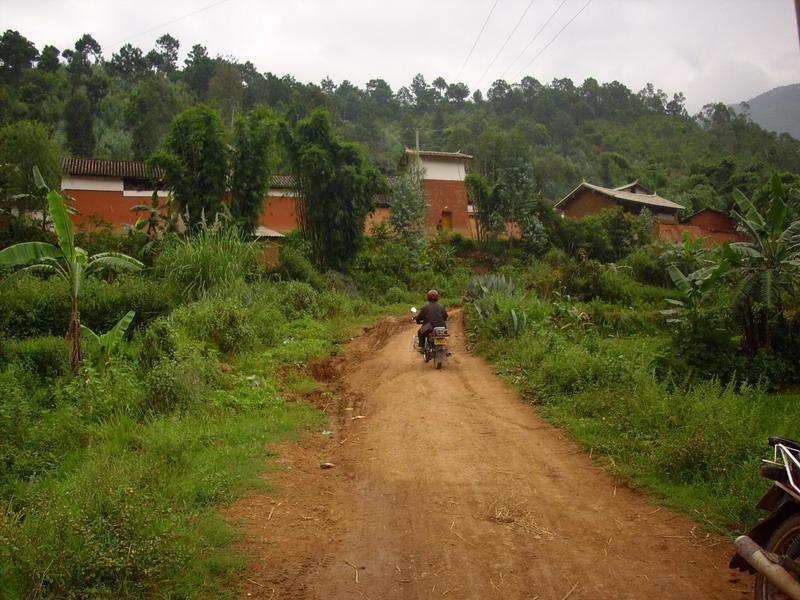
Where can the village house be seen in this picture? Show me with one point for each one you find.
(105, 191)
(589, 199)
(708, 224)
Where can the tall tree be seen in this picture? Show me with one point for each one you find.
(128, 63)
(194, 158)
(48, 61)
(198, 70)
(17, 54)
(167, 48)
(252, 159)
(78, 123)
(407, 215)
(23, 145)
(150, 111)
(225, 90)
(337, 185)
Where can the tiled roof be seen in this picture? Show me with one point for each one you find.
(134, 169)
(282, 182)
(435, 154)
(646, 199)
(632, 186)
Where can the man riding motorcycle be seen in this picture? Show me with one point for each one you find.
(431, 315)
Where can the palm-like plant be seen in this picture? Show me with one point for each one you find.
(65, 260)
(159, 217)
(106, 344)
(767, 267)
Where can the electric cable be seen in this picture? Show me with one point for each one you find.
(525, 68)
(475, 43)
(157, 27)
(510, 35)
(534, 38)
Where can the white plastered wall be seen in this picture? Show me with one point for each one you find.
(95, 184)
(444, 170)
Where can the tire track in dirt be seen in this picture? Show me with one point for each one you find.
(451, 487)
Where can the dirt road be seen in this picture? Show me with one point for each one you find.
(447, 485)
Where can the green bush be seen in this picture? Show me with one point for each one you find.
(33, 306)
(293, 264)
(297, 299)
(48, 356)
(648, 264)
(222, 322)
(158, 342)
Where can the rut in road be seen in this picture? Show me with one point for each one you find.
(451, 487)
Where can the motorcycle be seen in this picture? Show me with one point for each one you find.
(435, 347)
(771, 549)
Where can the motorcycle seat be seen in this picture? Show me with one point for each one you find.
(775, 440)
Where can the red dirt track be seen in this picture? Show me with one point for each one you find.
(450, 486)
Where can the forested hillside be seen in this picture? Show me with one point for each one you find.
(120, 106)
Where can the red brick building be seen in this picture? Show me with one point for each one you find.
(709, 224)
(106, 190)
(589, 199)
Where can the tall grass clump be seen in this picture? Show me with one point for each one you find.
(210, 262)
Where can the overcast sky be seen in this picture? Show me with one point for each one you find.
(712, 50)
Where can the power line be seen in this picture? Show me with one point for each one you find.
(510, 35)
(158, 27)
(534, 38)
(475, 43)
(547, 45)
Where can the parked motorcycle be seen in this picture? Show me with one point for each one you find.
(435, 347)
(771, 549)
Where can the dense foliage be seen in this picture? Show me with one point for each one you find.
(337, 186)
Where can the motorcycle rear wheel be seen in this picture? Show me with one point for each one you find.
(785, 539)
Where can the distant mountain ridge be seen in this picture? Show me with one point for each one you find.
(777, 110)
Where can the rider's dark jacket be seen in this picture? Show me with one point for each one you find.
(432, 313)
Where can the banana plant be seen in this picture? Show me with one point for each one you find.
(65, 260)
(109, 342)
(767, 267)
(159, 217)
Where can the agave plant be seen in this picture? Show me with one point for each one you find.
(109, 342)
(66, 260)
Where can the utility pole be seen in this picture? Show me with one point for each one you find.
(419, 162)
(797, 14)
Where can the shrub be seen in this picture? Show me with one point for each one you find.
(648, 264)
(294, 265)
(298, 299)
(159, 342)
(33, 306)
(223, 322)
(98, 397)
(48, 356)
